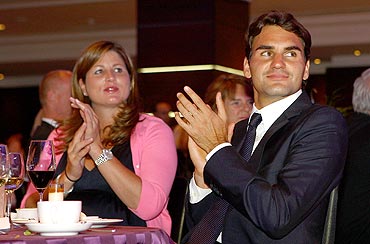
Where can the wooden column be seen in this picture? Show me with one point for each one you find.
(187, 32)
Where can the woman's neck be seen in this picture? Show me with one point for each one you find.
(105, 115)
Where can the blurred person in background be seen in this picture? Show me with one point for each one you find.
(353, 216)
(162, 110)
(237, 94)
(55, 89)
(54, 92)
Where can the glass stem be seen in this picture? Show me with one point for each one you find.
(41, 195)
(8, 203)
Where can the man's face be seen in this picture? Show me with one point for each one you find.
(162, 110)
(277, 65)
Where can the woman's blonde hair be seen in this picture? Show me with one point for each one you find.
(128, 115)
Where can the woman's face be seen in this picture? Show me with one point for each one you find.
(108, 81)
(238, 107)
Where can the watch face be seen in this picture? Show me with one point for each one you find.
(108, 153)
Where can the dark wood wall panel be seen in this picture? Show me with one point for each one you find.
(187, 32)
(164, 87)
(165, 12)
(169, 46)
(175, 32)
(231, 22)
(18, 107)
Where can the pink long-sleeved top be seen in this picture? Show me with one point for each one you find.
(155, 161)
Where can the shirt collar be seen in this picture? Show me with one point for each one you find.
(51, 122)
(272, 112)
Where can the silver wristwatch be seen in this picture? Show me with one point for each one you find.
(104, 157)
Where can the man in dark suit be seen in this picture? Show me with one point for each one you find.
(353, 217)
(280, 194)
(54, 92)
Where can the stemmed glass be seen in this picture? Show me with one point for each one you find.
(4, 164)
(15, 177)
(4, 170)
(40, 164)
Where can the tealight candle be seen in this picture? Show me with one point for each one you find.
(56, 191)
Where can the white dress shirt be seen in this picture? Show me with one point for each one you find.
(50, 122)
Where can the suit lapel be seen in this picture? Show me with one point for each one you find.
(302, 103)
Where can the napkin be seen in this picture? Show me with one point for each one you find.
(4, 223)
(83, 217)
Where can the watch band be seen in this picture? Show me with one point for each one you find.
(105, 156)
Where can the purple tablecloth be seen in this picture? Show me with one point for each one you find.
(122, 234)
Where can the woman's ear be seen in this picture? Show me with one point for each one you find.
(83, 87)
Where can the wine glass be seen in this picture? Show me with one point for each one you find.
(4, 164)
(15, 177)
(40, 164)
(4, 170)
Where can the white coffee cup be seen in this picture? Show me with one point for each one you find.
(27, 213)
(59, 212)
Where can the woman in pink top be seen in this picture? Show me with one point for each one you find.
(118, 162)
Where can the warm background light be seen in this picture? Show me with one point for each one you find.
(357, 52)
(317, 61)
(2, 27)
(2, 76)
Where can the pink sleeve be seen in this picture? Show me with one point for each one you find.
(155, 161)
(31, 189)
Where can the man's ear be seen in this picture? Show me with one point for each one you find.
(246, 68)
(306, 72)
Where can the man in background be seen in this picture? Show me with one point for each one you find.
(353, 216)
(54, 92)
(162, 110)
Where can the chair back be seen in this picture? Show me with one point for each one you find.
(176, 207)
(329, 229)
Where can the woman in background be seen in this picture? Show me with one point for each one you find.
(237, 94)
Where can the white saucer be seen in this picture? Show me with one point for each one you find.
(58, 229)
(100, 223)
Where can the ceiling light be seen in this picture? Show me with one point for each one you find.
(317, 61)
(357, 52)
(2, 27)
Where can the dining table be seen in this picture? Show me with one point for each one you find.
(106, 235)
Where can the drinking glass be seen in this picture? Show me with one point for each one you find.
(40, 164)
(4, 170)
(15, 178)
(4, 164)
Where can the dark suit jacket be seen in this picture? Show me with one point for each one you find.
(281, 194)
(353, 216)
(42, 131)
